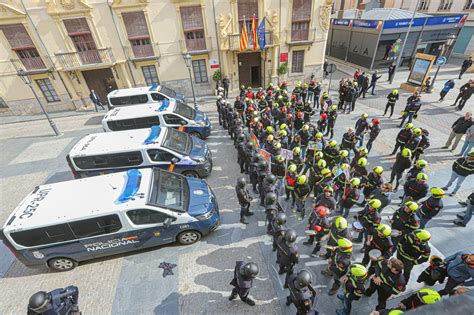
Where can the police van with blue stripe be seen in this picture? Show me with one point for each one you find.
(60, 225)
(165, 114)
(143, 95)
(101, 153)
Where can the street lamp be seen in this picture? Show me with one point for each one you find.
(187, 60)
(26, 79)
(449, 41)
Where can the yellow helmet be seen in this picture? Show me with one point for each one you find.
(362, 162)
(333, 107)
(364, 150)
(437, 192)
(417, 131)
(329, 189)
(305, 127)
(292, 168)
(364, 115)
(344, 245)
(269, 129)
(280, 158)
(408, 126)
(422, 235)
(332, 143)
(302, 179)
(355, 181)
(396, 312)
(344, 153)
(428, 296)
(421, 163)
(319, 135)
(297, 150)
(326, 172)
(394, 91)
(345, 166)
(270, 138)
(378, 170)
(384, 229)
(283, 126)
(374, 203)
(277, 145)
(322, 163)
(358, 271)
(406, 152)
(341, 223)
(422, 176)
(413, 206)
(283, 133)
(319, 154)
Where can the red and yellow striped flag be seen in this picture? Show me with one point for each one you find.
(254, 33)
(244, 44)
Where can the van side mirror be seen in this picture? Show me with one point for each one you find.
(174, 161)
(183, 122)
(167, 222)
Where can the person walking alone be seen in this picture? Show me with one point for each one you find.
(448, 86)
(465, 65)
(96, 100)
(373, 82)
(458, 129)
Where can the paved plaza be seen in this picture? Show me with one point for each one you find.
(134, 284)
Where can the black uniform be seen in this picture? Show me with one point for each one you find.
(403, 222)
(392, 99)
(370, 183)
(287, 255)
(276, 230)
(383, 244)
(334, 235)
(320, 225)
(412, 252)
(244, 200)
(242, 285)
(415, 190)
(402, 138)
(302, 298)
(60, 301)
(429, 208)
(373, 134)
(401, 164)
(339, 264)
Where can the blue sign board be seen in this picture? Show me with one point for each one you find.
(341, 22)
(441, 61)
(404, 23)
(367, 24)
(441, 20)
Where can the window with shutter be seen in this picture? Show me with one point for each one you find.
(301, 17)
(247, 8)
(193, 27)
(81, 36)
(23, 46)
(297, 61)
(138, 35)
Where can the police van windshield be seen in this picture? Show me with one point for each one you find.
(177, 141)
(129, 100)
(167, 91)
(169, 190)
(184, 110)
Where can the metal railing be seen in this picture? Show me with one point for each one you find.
(196, 45)
(75, 60)
(142, 52)
(32, 65)
(234, 40)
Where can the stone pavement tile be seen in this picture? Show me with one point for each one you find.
(204, 280)
(42, 151)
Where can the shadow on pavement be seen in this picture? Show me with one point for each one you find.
(59, 177)
(96, 120)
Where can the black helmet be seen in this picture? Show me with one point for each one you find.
(249, 270)
(303, 279)
(250, 145)
(280, 218)
(271, 179)
(290, 236)
(241, 182)
(39, 302)
(261, 164)
(270, 198)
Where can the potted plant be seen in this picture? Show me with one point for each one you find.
(282, 70)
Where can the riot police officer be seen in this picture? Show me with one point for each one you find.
(277, 228)
(302, 294)
(271, 208)
(244, 273)
(268, 186)
(244, 199)
(58, 301)
(287, 252)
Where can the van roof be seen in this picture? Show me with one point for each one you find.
(137, 111)
(119, 141)
(134, 91)
(77, 199)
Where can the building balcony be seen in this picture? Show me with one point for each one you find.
(31, 65)
(85, 59)
(142, 52)
(196, 45)
(234, 41)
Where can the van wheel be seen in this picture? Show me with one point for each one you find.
(191, 174)
(196, 134)
(188, 237)
(62, 264)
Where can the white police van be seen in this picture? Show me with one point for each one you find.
(62, 224)
(102, 153)
(164, 114)
(142, 95)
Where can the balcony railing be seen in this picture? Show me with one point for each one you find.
(142, 52)
(234, 40)
(196, 45)
(76, 60)
(31, 65)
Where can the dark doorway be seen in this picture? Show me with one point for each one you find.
(102, 81)
(250, 69)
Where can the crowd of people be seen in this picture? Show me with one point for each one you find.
(286, 148)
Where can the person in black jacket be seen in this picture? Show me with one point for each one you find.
(392, 99)
(411, 110)
(244, 199)
(431, 206)
(465, 65)
(462, 168)
(350, 96)
(365, 85)
(403, 136)
(463, 220)
(244, 273)
(374, 132)
(465, 96)
(361, 127)
(458, 129)
(373, 82)
(462, 89)
(402, 163)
